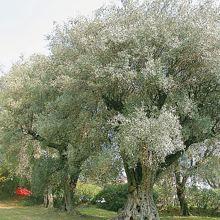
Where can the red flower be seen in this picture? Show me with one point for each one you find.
(23, 192)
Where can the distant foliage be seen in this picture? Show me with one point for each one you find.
(44, 173)
(100, 171)
(204, 198)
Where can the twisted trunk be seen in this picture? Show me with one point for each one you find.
(69, 181)
(68, 197)
(140, 203)
(180, 190)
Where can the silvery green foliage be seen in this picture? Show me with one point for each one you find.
(40, 97)
(149, 139)
(136, 51)
(104, 167)
(154, 53)
(193, 163)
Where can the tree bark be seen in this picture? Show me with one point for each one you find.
(184, 210)
(140, 206)
(140, 203)
(180, 189)
(70, 181)
(45, 199)
(48, 197)
(69, 190)
(68, 198)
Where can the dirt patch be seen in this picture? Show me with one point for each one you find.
(9, 205)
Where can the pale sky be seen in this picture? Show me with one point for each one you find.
(25, 23)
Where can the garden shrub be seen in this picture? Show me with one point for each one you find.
(112, 197)
(86, 192)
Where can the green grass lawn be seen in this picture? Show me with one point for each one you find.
(189, 218)
(11, 211)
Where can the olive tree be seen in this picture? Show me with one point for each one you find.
(155, 65)
(150, 70)
(41, 104)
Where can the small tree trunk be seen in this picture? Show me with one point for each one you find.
(68, 198)
(184, 210)
(140, 203)
(180, 189)
(45, 199)
(48, 198)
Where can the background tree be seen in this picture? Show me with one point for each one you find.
(41, 104)
(188, 165)
(209, 172)
(46, 176)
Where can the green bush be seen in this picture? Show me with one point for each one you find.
(163, 195)
(86, 192)
(112, 197)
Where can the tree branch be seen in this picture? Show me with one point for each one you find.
(35, 136)
(170, 159)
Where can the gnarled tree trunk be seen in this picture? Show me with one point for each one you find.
(68, 197)
(70, 181)
(140, 203)
(69, 190)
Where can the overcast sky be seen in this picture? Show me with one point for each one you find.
(25, 23)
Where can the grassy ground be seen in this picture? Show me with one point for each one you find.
(11, 211)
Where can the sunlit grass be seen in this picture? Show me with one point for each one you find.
(11, 211)
(188, 218)
(101, 213)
